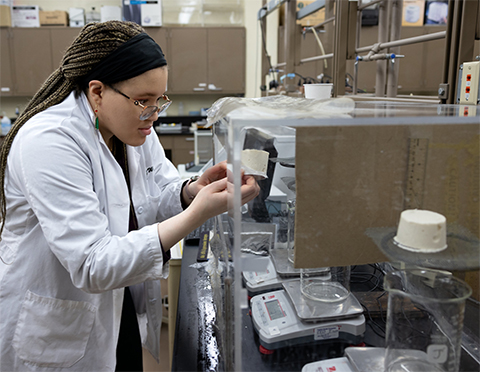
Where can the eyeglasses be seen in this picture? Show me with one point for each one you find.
(147, 110)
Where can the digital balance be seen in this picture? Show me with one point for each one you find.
(278, 271)
(258, 282)
(281, 321)
(355, 359)
(283, 316)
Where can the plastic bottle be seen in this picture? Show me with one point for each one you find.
(6, 124)
(180, 109)
(92, 16)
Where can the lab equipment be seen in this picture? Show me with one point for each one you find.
(349, 172)
(277, 324)
(424, 320)
(258, 282)
(291, 230)
(355, 359)
(328, 285)
(194, 236)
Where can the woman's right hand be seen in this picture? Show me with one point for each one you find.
(213, 199)
(210, 201)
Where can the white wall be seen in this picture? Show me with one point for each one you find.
(254, 45)
(254, 52)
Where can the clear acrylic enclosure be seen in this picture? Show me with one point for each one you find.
(337, 176)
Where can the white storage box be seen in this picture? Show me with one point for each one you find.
(145, 13)
(77, 17)
(25, 16)
(110, 13)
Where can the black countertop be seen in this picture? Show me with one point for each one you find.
(195, 346)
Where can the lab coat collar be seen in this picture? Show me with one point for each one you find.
(87, 108)
(91, 115)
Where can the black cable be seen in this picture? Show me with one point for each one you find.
(373, 277)
(307, 79)
(380, 307)
(350, 75)
(351, 86)
(326, 76)
(373, 323)
(363, 274)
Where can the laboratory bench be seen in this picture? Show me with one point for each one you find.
(177, 136)
(195, 345)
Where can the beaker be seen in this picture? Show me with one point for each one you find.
(327, 284)
(424, 320)
(291, 230)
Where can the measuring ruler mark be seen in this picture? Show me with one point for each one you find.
(417, 163)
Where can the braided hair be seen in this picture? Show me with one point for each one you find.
(94, 42)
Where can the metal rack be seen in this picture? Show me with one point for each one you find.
(342, 25)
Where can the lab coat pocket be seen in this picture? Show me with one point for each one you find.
(52, 332)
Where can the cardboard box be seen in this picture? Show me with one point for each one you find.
(53, 18)
(413, 12)
(145, 13)
(314, 18)
(5, 16)
(25, 16)
(76, 17)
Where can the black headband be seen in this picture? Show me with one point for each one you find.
(134, 57)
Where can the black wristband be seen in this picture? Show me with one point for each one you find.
(187, 192)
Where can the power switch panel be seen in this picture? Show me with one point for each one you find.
(469, 87)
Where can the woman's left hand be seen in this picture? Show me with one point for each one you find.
(212, 174)
(249, 189)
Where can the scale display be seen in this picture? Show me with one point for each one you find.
(274, 309)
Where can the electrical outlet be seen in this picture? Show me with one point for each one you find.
(469, 87)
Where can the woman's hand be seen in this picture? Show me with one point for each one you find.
(212, 174)
(249, 189)
(212, 199)
(214, 190)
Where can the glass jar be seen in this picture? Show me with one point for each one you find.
(424, 320)
(328, 284)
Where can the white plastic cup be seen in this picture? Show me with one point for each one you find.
(318, 91)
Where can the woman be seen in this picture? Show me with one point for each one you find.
(90, 206)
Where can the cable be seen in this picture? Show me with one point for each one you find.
(373, 323)
(306, 80)
(329, 78)
(320, 45)
(350, 86)
(380, 306)
(375, 278)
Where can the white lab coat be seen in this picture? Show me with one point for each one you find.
(66, 253)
